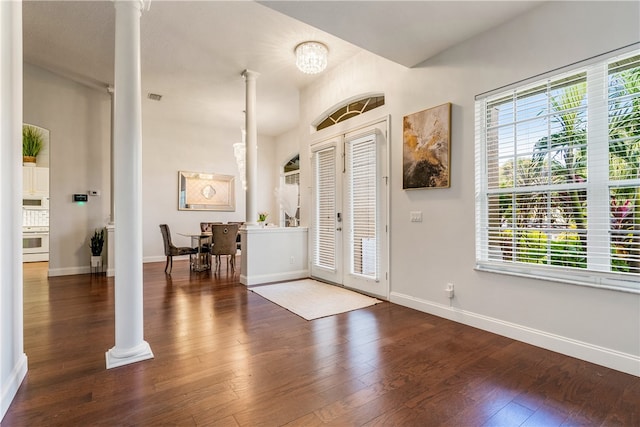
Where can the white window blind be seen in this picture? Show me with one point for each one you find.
(557, 176)
(325, 205)
(361, 202)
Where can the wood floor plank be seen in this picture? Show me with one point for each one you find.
(546, 416)
(225, 356)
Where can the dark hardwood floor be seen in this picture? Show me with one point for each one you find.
(224, 356)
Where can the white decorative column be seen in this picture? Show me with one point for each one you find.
(111, 227)
(251, 169)
(13, 361)
(251, 148)
(130, 346)
(111, 250)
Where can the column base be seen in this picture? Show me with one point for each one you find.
(116, 357)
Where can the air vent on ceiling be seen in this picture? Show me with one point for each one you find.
(154, 96)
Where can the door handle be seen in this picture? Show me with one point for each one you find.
(339, 229)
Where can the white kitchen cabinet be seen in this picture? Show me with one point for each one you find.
(35, 181)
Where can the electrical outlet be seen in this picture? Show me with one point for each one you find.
(292, 260)
(416, 216)
(449, 290)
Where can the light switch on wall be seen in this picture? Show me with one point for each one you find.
(416, 216)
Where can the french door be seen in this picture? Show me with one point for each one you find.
(349, 224)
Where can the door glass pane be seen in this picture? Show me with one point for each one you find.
(325, 230)
(361, 202)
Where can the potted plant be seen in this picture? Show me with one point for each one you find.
(97, 242)
(32, 142)
(262, 218)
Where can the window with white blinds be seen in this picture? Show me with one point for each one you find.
(361, 194)
(324, 165)
(558, 176)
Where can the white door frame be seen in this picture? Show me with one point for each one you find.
(331, 271)
(335, 135)
(376, 284)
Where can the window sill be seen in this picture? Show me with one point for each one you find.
(612, 282)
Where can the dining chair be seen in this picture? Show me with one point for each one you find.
(170, 250)
(238, 240)
(224, 243)
(205, 227)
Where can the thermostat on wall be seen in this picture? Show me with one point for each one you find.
(80, 198)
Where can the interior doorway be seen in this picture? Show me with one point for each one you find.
(35, 193)
(349, 226)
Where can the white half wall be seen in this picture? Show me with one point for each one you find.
(273, 254)
(597, 325)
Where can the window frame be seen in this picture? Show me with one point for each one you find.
(598, 183)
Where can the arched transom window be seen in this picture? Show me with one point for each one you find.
(352, 109)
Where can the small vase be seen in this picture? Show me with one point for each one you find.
(96, 261)
(261, 224)
(28, 161)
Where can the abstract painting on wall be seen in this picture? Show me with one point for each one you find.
(426, 146)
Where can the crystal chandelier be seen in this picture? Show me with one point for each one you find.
(240, 152)
(311, 57)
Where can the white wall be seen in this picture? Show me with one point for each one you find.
(169, 147)
(78, 119)
(287, 146)
(597, 325)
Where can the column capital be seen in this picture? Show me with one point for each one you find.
(250, 75)
(137, 5)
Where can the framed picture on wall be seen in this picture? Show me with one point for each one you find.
(199, 191)
(426, 145)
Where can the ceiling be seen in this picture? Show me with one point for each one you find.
(192, 52)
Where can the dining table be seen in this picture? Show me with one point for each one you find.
(201, 241)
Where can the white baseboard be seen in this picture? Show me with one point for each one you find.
(11, 385)
(261, 279)
(613, 359)
(68, 271)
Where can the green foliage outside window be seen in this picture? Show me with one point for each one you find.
(550, 225)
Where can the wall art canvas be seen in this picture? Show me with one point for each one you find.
(198, 191)
(426, 147)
